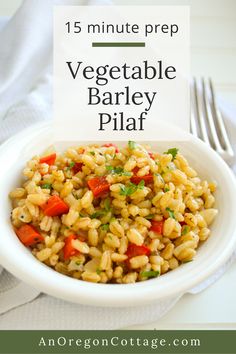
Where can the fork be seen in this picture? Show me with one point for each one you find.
(206, 120)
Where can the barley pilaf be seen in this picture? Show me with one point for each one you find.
(113, 215)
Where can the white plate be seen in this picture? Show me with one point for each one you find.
(211, 255)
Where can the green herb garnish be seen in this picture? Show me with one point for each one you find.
(92, 153)
(188, 261)
(126, 173)
(118, 171)
(166, 190)
(128, 190)
(107, 204)
(132, 145)
(185, 230)
(107, 208)
(171, 213)
(78, 263)
(105, 227)
(141, 184)
(98, 271)
(71, 165)
(150, 274)
(131, 188)
(46, 186)
(98, 213)
(115, 170)
(173, 152)
(150, 216)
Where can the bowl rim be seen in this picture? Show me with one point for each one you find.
(116, 295)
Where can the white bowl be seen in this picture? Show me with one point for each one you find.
(210, 256)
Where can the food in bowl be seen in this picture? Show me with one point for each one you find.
(106, 214)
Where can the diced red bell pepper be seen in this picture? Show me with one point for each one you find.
(135, 250)
(50, 159)
(55, 206)
(137, 179)
(99, 186)
(77, 167)
(182, 223)
(135, 170)
(110, 144)
(157, 226)
(68, 249)
(28, 235)
(151, 155)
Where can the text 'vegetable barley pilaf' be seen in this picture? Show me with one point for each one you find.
(109, 215)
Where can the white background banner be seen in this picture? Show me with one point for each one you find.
(117, 70)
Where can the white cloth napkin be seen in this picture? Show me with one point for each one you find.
(25, 99)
